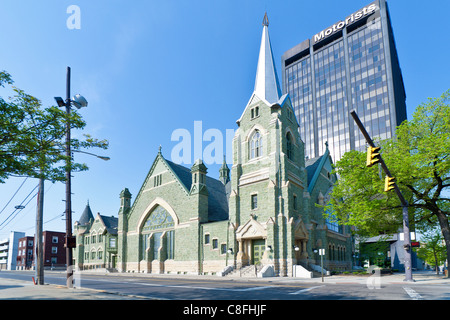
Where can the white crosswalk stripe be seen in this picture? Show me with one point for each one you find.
(413, 294)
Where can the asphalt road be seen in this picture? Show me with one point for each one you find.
(210, 288)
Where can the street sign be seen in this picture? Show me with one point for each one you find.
(321, 252)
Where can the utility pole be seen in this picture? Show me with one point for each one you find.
(39, 260)
(406, 232)
(70, 243)
(68, 188)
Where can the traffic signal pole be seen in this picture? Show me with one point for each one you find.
(406, 232)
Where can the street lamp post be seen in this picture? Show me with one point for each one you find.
(79, 102)
(92, 154)
(68, 188)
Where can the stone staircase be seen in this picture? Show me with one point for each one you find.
(250, 271)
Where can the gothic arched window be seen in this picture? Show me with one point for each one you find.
(159, 222)
(289, 151)
(256, 145)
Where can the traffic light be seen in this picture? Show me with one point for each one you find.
(389, 183)
(373, 156)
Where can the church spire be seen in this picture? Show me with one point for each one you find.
(266, 84)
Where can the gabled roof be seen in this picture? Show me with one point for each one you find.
(110, 223)
(217, 192)
(217, 195)
(315, 165)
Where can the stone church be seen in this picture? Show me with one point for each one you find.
(261, 214)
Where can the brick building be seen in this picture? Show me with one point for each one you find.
(54, 250)
(25, 253)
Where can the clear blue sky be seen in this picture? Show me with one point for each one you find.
(148, 68)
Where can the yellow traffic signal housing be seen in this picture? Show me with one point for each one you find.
(373, 156)
(389, 183)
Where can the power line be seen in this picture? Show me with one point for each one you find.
(14, 195)
(19, 208)
(45, 222)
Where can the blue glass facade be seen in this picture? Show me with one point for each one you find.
(352, 65)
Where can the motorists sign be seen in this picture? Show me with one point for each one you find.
(415, 244)
(321, 252)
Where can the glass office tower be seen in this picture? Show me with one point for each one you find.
(352, 65)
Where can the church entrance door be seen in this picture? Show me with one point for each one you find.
(258, 247)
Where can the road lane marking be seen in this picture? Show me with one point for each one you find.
(306, 290)
(187, 286)
(203, 288)
(413, 294)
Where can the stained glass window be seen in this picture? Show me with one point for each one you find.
(158, 219)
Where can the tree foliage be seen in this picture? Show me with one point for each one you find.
(419, 159)
(32, 138)
(432, 250)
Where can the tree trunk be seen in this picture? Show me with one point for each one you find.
(445, 228)
(436, 263)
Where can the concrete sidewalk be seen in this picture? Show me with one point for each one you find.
(25, 290)
(11, 289)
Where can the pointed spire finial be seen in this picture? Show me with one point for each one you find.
(265, 20)
(159, 149)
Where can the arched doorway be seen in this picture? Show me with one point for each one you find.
(301, 237)
(251, 238)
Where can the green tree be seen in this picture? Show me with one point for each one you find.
(32, 138)
(376, 253)
(432, 250)
(419, 159)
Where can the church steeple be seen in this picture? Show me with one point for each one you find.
(266, 84)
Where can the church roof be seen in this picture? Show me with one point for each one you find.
(110, 224)
(267, 86)
(217, 194)
(314, 167)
